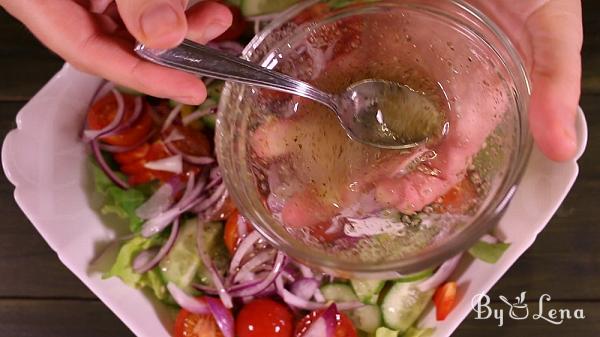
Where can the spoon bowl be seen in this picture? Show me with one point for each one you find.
(389, 115)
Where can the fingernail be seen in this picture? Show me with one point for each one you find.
(160, 22)
(214, 30)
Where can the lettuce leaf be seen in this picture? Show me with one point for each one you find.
(488, 252)
(120, 202)
(122, 268)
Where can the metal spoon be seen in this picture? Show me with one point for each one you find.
(363, 110)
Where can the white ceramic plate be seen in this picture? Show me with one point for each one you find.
(46, 162)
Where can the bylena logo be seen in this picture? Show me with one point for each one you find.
(519, 310)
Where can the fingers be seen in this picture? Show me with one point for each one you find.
(156, 23)
(556, 37)
(120, 65)
(208, 20)
(75, 34)
(163, 23)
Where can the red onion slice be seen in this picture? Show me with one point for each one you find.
(159, 202)
(305, 288)
(242, 228)
(188, 302)
(325, 325)
(308, 273)
(288, 277)
(214, 183)
(104, 88)
(248, 267)
(143, 258)
(94, 134)
(242, 286)
(196, 160)
(441, 275)
(210, 201)
(171, 117)
(158, 223)
(298, 302)
(105, 168)
(164, 250)
(190, 199)
(138, 107)
(222, 316)
(242, 249)
(172, 164)
(209, 109)
(268, 280)
(305, 271)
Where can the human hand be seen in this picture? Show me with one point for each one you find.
(98, 36)
(549, 35)
(552, 56)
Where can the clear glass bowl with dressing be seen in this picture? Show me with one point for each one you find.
(358, 211)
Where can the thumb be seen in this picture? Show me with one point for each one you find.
(155, 23)
(556, 36)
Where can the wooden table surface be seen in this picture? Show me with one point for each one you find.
(40, 297)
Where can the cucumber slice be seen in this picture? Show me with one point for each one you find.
(403, 304)
(181, 264)
(367, 318)
(338, 292)
(259, 7)
(385, 332)
(416, 276)
(215, 246)
(367, 290)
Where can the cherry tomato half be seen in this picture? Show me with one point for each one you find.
(264, 318)
(188, 324)
(104, 111)
(444, 300)
(343, 327)
(132, 162)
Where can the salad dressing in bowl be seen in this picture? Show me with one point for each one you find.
(345, 207)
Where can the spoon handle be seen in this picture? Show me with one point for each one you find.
(201, 60)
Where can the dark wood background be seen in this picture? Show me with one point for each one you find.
(40, 297)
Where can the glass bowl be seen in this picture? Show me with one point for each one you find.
(352, 210)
